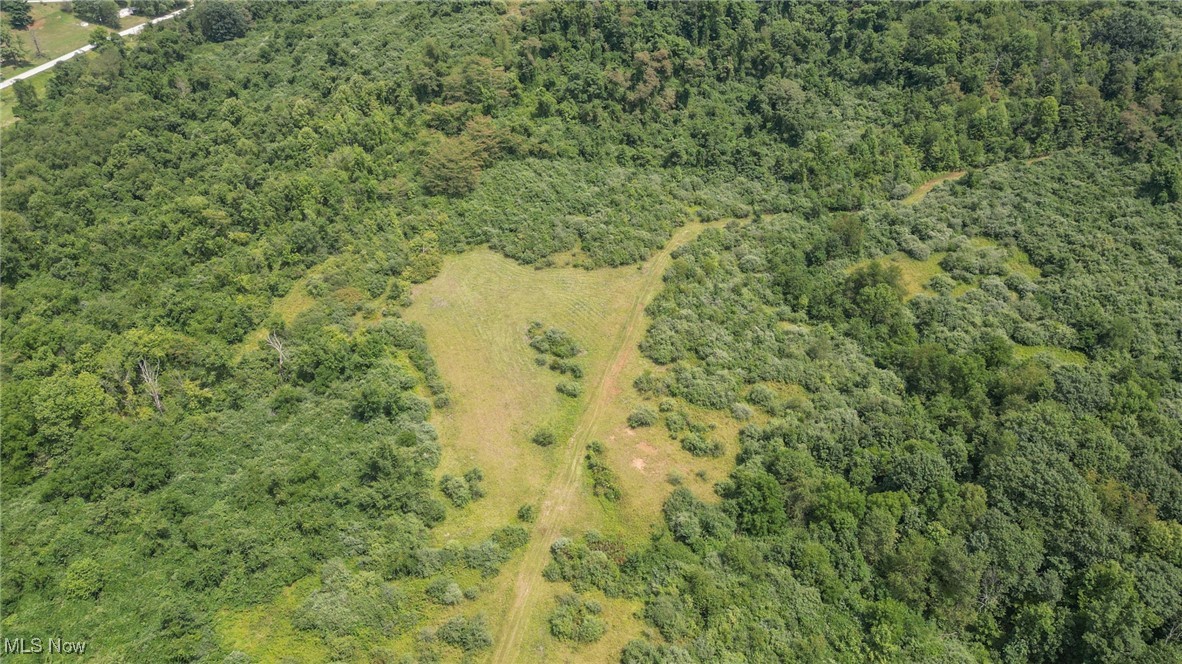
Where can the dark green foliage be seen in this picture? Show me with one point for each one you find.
(348, 602)
(462, 490)
(452, 168)
(543, 438)
(567, 368)
(19, 13)
(921, 414)
(221, 20)
(12, 52)
(560, 347)
(83, 580)
(102, 12)
(444, 591)
(555, 342)
(527, 514)
(511, 538)
(592, 562)
(155, 7)
(699, 445)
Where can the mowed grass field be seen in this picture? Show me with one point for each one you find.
(475, 314)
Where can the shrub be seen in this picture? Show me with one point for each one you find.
(761, 395)
(604, 481)
(467, 634)
(941, 284)
(452, 168)
(544, 438)
(586, 564)
(741, 412)
(567, 388)
(486, 557)
(556, 343)
(642, 417)
(574, 619)
(444, 591)
(566, 367)
(527, 513)
(698, 445)
(456, 490)
(511, 538)
(676, 422)
(473, 478)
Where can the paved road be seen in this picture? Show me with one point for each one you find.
(89, 47)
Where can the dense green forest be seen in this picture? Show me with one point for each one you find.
(963, 418)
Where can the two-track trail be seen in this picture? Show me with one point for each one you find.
(562, 491)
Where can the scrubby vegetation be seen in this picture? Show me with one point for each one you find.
(936, 485)
(961, 413)
(559, 347)
(576, 619)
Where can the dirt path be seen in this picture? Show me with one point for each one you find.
(564, 487)
(923, 189)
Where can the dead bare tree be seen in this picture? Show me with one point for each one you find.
(276, 343)
(36, 43)
(150, 373)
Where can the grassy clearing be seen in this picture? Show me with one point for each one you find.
(265, 632)
(56, 31)
(295, 302)
(914, 274)
(475, 314)
(1060, 355)
(1019, 262)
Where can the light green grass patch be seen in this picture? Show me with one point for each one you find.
(914, 275)
(1060, 355)
(289, 307)
(266, 633)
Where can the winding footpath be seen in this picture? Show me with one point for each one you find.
(564, 487)
(89, 47)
